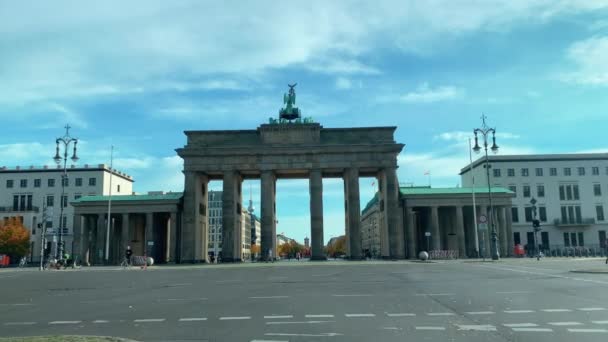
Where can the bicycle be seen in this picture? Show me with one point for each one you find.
(23, 262)
(125, 263)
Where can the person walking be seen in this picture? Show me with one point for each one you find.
(128, 254)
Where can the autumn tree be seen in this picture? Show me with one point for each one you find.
(337, 248)
(14, 238)
(255, 249)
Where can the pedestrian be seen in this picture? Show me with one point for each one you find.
(128, 254)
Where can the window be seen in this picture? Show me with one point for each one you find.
(49, 224)
(92, 181)
(118, 188)
(602, 237)
(579, 217)
(569, 193)
(22, 203)
(599, 212)
(23, 183)
(528, 212)
(564, 214)
(575, 190)
(496, 173)
(567, 239)
(65, 181)
(29, 202)
(573, 239)
(595, 171)
(581, 171)
(562, 193)
(597, 189)
(514, 215)
(16, 203)
(77, 196)
(9, 183)
(78, 181)
(553, 171)
(567, 171)
(526, 191)
(516, 238)
(511, 172)
(50, 182)
(513, 189)
(64, 223)
(581, 240)
(37, 183)
(542, 214)
(540, 190)
(524, 172)
(50, 201)
(539, 172)
(64, 200)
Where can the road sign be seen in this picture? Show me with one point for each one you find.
(427, 234)
(483, 219)
(482, 226)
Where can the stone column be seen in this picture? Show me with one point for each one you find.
(77, 229)
(124, 232)
(316, 215)
(502, 232)
(393, 215)
(149, 236)
(509, 230)
(462, 249)
(268, 181)
(231, 216)
(353, 213)
(412, 236)
(101, 239)
(435, 233)
(193, 234)
(173, 237)
(86, 243)
(385, 242)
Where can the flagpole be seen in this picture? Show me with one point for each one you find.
(109, 207)
(474, 205)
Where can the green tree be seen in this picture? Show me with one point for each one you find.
(14, 238)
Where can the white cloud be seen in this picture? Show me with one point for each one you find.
(425, 94)
(343, 83)
(589, 56)
(25, 154)
(461, 136)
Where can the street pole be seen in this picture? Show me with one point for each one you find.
(474, 205)
(109, 207)
(43, 234)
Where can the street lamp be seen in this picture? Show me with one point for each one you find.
(536, 226)
(66, 140)
(485, 132)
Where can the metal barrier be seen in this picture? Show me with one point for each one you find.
(443, 254)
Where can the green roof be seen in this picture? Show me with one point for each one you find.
(371, 203)
(123, 198)
(450, 191)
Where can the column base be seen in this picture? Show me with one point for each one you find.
(318, 258)
(230, 260)
(355, 258)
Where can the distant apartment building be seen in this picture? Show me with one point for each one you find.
(570, 189)
(371, 221)
(26, 191)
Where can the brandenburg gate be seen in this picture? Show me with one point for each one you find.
(288, 147)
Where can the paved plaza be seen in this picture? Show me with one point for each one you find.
(509, 300)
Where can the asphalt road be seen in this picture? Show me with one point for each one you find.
(511, 300)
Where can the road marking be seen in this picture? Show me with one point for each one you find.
(592, 309)
(430, 328)
(391, 328)
(319, 316)
(542, 273)
(65, 322)
(520, 325)
(518, 311)
(303, 322)
(401, 314)
(305, 335)
(183, 299)
(278, 317)
(192, 319)
(234, 318)
(532, 329)
(149, 320)
(589, 330)
(352, 295)
(100, 321)
(599, 322)
(435, 294)
(269, 297)
(440, 314)
(269, 341)
(564, 324)
(360, 315)
(483, 327)
(513, 292)
(22, 304)
(480, 313)
(179, 284)
(556, 310)
(20, 323)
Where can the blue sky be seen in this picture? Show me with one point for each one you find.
(137, 75)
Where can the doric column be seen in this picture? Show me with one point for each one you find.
(435, 234)
(353, 213)
(124, 232)
(193, 234)
(231, 212)
(268, 181)
(316, 215)
(86, 243)
(101, 239)
(173, 237)
(412, 236)
(502, 231)
(393, 215)
(149, 236)
(77, 229)
(462, 249)
(382, 223)
(509, 230)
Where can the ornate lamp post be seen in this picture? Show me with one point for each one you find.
(66, 140)
(485, 132)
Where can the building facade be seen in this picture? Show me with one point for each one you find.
(371, 220)
(570, 192)
(25, 192)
